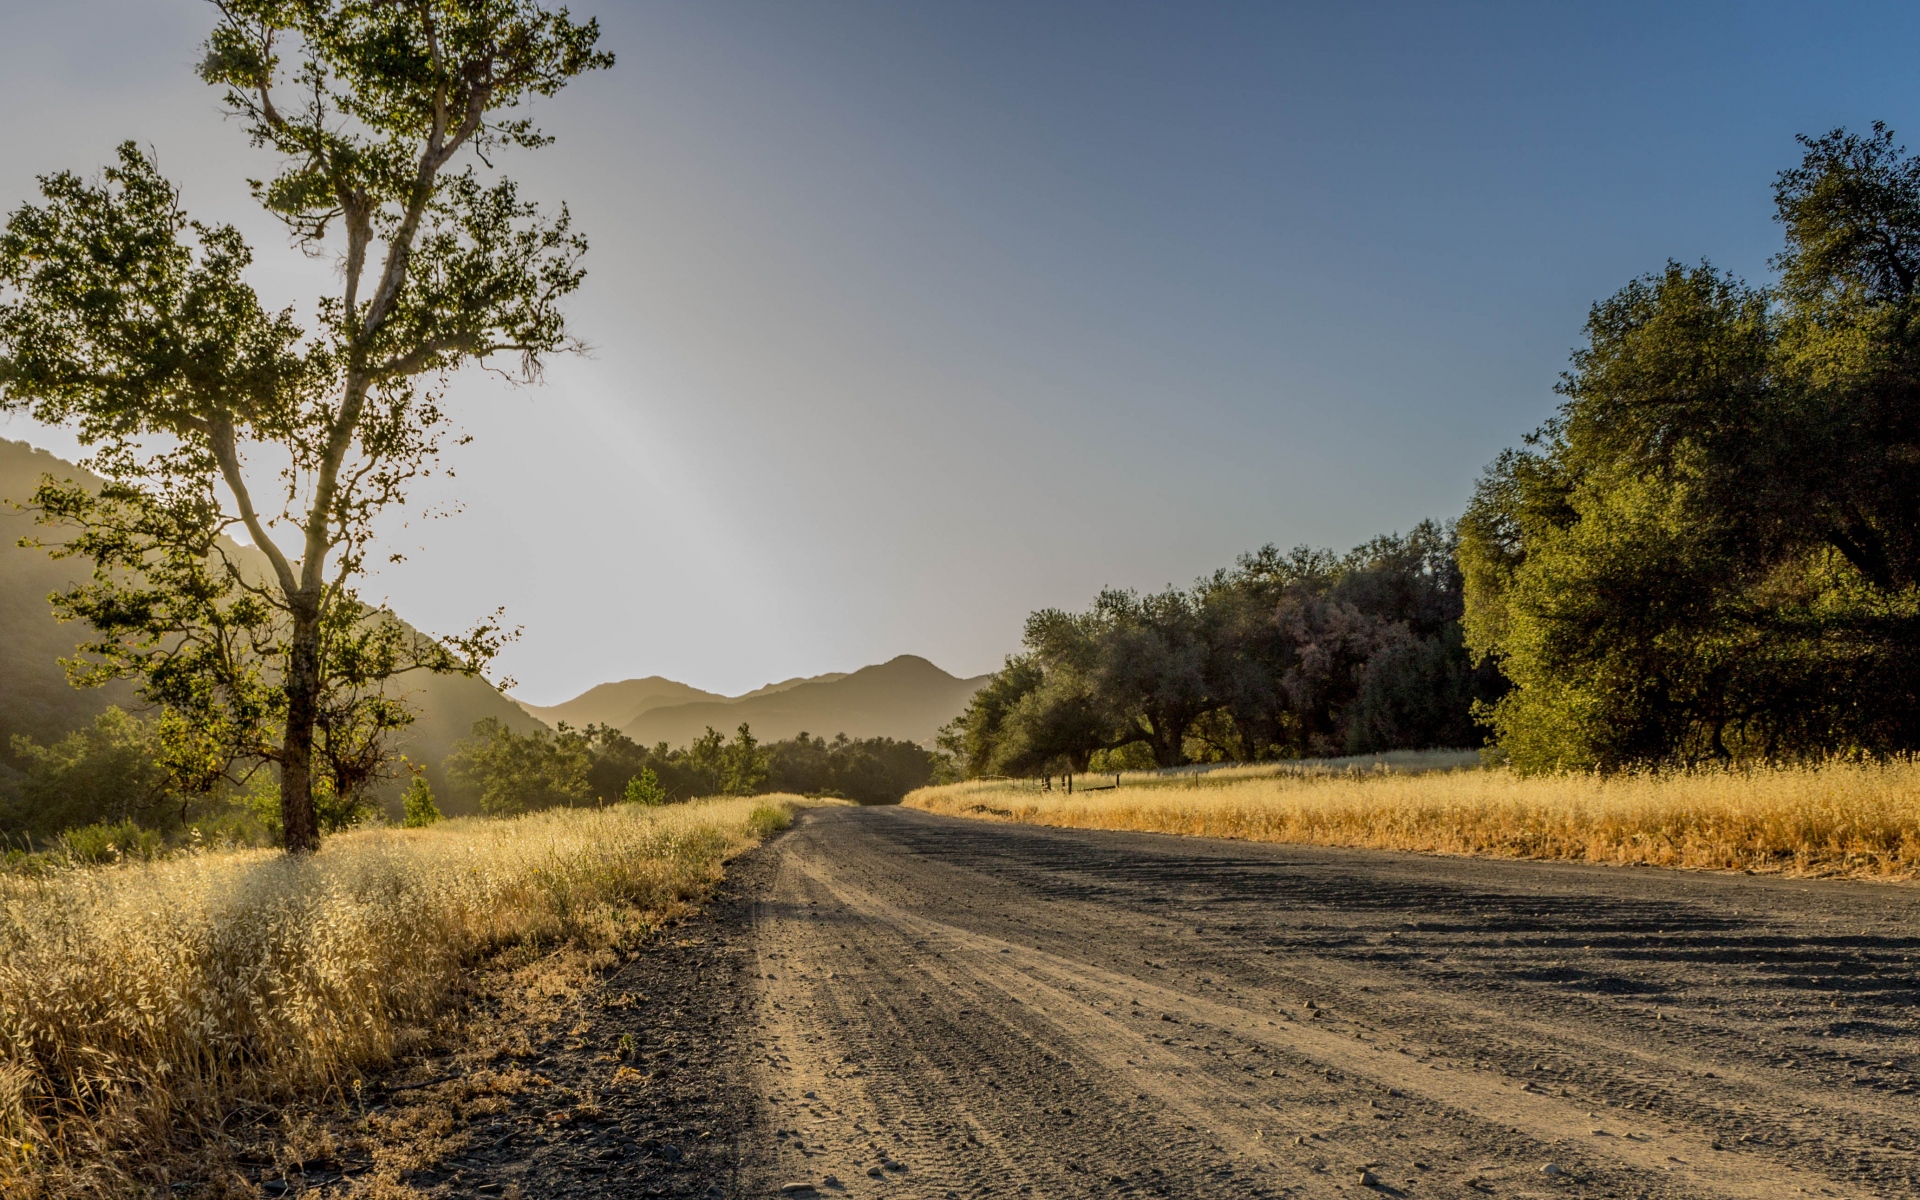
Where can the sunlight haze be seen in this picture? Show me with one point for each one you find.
(907, 320)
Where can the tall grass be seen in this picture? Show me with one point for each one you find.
(141, 1000)
(1857, 819)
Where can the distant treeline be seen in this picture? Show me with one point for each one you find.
(498, 771)
(112, 779)
(1285, 655)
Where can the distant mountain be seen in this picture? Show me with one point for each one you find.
(908, 698)
(789, 684)
(35, 698)
(617, 704)
(621, 704)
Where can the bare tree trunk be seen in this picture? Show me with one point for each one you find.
(298, 824)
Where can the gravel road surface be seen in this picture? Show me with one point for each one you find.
(955, 1008)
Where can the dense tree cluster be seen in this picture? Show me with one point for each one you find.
(1712, 551)
(1282, 656)
(499, 771)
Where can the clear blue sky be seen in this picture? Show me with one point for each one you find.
(911, 318)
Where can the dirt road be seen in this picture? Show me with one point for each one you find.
(952, 1008)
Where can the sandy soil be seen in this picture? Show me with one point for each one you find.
(950, 1008)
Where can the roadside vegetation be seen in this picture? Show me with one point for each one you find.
(496, 770)
(1858, 819)
(145, 1004)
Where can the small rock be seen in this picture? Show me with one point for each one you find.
(1553, 1170)
(832, 1181)
(1369, 1180)
(876, 1172)
(796, 1189)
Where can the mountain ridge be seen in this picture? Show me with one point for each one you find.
(620, 703)
(906, 698)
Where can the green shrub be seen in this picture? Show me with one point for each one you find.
(768, 819)
(417, 806)
(645, 788)
(108, 772)
(103, 843)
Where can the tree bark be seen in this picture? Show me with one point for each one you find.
(298, 824)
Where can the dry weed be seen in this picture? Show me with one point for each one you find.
(1853, 819)
(141, 1005)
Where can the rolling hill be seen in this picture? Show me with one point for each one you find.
(35, 698)
(616, 704)
(907, 698)
(620, 704)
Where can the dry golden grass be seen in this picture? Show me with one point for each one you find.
(141, 1004)
(1855, 819)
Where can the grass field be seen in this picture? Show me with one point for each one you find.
(142, 1004)
(1852, 819)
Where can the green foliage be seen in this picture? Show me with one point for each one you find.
(745, 764)
(104, 844)
(417, 807)
(115, 775)
(867, 770)
(644, 788)
(1285, 655)
(511, 772)
(337, 811)
(108, 772)
(768, 819)
(132, 324)
(1712, 552)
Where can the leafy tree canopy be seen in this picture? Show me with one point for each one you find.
(1712, 551)
(1283, 655)
(133, 324)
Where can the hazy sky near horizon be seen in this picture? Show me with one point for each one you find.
(910, 318)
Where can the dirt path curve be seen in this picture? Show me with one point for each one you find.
(952, 1008)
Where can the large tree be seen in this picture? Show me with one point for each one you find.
(207, 413)
(1713, 550)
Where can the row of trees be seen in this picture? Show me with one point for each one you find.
(498, 771)
(1712, 551)
(1282, 656)
(114, 773)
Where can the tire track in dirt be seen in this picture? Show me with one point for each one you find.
(949, 1008)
